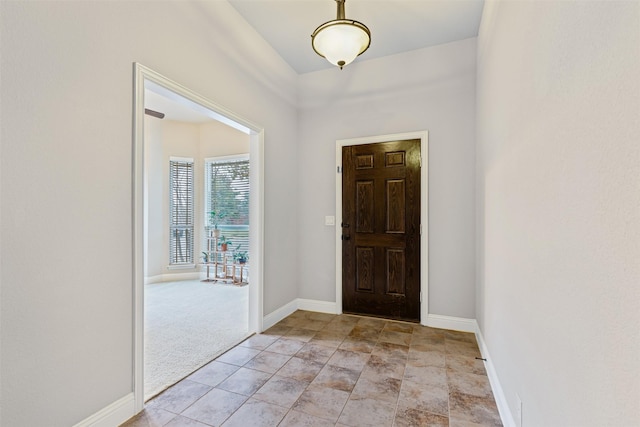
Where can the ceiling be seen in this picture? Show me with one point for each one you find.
(396, 25)
(173, 109)
(176, 107)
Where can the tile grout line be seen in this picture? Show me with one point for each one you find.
(350, 393)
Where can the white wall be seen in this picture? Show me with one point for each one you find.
(428, 89)
(66, 212)
(154, 190)
(559, 206)
(218, 139)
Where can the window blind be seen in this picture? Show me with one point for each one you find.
(181, 212)
(227, 194)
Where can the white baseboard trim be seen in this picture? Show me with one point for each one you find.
(153, 279)
(275, 316)
(450, 322)
(498, 393)
(433, 320)
(297, 304)
(172, 277)
(318, 306)
(113, 415)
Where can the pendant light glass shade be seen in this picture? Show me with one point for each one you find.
(340, 41)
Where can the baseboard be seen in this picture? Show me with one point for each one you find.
(451, 323)
(297, 304)
(275, 316)
(318, 306)
(496, 387)
(160, 278)
(153, 279)
(433, 320)
(113, 415)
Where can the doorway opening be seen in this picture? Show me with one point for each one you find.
(173, 240)
(345, 233)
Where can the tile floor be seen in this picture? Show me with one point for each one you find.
(316, 369)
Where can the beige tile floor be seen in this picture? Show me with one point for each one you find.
(315, 369)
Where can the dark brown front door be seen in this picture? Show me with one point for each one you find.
(381, 229)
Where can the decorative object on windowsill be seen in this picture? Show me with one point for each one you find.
(341, 40)
(224, 243)
(239, 256)
(214, 220)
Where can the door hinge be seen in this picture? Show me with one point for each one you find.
(421, 297)
(421, 229)
(420, 159)
(338, 169)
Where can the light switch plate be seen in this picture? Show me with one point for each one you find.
(330, 220)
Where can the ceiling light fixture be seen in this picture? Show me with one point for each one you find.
(340, 41)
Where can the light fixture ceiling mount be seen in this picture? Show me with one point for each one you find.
(340, 41)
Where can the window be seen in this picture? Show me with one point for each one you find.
(180, 211)
(227, 194)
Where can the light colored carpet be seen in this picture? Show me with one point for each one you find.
(188, 324)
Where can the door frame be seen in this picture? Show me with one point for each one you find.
(423, 136)
(141, 76)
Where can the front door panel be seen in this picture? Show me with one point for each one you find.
(381, 229)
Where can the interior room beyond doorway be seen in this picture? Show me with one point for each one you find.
(192, 314)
